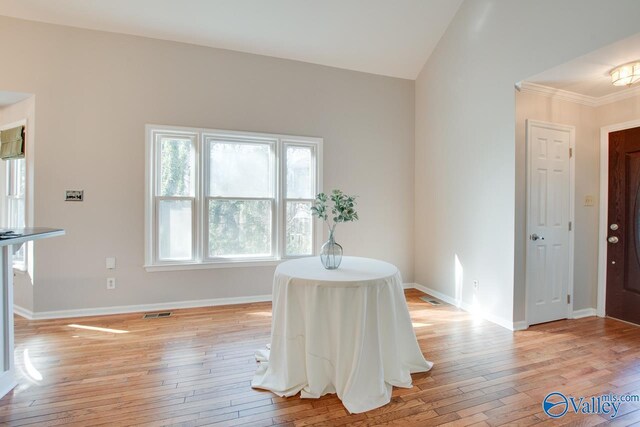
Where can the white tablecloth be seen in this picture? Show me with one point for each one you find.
(344, 331)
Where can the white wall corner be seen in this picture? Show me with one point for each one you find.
(585, 312)
(23, 312)
(508, 324)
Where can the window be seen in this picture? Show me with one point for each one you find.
(13, 200)
(220, 197)
(15, 204)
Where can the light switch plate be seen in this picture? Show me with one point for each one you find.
(588, 200)
(111, 263)
(74, 195)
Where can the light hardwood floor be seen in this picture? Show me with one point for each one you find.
(195, 368)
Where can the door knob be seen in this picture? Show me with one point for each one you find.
(535, 237)
(613, 239)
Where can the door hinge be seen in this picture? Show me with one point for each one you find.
(568, 299)
(570, 152)
(570, 225)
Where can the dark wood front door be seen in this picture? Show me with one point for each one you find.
(623, 246)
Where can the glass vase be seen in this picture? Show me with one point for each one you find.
(331, 253)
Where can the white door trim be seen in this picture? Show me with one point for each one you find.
(572, 183)
(604, 209)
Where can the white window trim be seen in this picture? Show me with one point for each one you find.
(280, 141)
(18, 267)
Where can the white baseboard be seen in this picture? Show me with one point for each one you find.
(434, 293)
(124, 309)
(23, 312)
(585, 312)
(520, 325)
(514, 326)
(466, 307)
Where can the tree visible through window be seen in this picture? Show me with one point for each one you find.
(229, 196)
(299, 198)
(241, 198)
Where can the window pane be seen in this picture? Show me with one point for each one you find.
(18, 257)
(299, 173)
(16, 177)
(174, 230)
(177, 167)
(16, 220)
(299, 237)
(16, 212)
(239, 228)
(240, 170)
(21, 177)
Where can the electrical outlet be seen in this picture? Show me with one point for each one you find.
(476, 285)
(111, 283)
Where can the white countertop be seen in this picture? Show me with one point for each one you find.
(27, 234)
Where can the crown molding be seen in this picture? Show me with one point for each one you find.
(565, 95)
(624, 94)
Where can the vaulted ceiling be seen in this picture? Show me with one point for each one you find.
(387, 37)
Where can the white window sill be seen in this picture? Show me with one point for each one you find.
(211, 265)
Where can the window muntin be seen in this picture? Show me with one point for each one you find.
(221, 196)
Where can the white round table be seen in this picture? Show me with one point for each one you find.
(345, 331)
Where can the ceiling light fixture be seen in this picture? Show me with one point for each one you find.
(626, 75)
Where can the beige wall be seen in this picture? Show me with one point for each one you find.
(95, 92)
(466, 159)
(538, 107)
(24, 110)
(621, 111)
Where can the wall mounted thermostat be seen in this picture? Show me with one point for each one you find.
(74, 195)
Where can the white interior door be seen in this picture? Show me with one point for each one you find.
(549, 194)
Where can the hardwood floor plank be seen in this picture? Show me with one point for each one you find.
(195, 368)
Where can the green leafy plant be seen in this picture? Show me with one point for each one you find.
(342, 210)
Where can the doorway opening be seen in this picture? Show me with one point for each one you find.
(580, 94)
